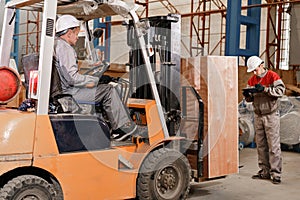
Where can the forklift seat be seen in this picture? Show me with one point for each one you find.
(58, 102)
(66, 101)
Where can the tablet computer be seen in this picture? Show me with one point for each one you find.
(250, 90)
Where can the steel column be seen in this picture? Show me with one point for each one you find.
(46, 55)
(234, 20)
(7, 35)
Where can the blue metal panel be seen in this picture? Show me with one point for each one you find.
(97, 24)
(247, 20)
(15, 53)
(234, 20)
(253, 30)
(107, 32)
(107, 38)
(232, 42)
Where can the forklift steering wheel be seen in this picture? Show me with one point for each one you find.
(98, 70)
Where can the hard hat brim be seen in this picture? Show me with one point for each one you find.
(251, 70)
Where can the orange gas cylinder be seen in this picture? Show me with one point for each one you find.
(10, 84)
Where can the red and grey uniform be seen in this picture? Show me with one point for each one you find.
(267, 122)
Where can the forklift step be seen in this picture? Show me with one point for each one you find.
(128, 142)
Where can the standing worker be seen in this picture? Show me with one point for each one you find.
(268, 88)
(86, 87)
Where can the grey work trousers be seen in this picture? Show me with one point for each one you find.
(268, 143)
(108, 97)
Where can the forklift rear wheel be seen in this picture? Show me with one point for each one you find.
(27, 187)
(164, 175)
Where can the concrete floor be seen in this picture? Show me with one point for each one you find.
(241, 186)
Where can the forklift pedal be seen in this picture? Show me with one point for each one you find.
(138, 139)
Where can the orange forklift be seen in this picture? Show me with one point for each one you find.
(52, 153)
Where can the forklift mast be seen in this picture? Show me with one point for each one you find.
(163, 35)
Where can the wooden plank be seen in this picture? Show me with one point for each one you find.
(222, 100)
(243, 77)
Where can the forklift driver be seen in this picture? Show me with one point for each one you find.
(87, 87)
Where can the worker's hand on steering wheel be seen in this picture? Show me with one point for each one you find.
(98, 63)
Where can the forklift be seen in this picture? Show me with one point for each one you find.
(53, 153)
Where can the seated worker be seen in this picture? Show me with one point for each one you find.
(87, 87)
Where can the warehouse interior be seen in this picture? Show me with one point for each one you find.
(203, 31)
(211, 42)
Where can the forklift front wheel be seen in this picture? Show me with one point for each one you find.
(27, 187)
(164, 175)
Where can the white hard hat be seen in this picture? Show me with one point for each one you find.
(65, 22)
(253, 62)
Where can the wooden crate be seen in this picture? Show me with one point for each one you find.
(217, 84)
(190, 77)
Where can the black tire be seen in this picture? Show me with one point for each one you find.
(164, 175)
(27, 187)
(58, 189)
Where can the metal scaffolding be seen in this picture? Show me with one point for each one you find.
(200, 26)
(32, 32)
(200, 30)
(200, 22)
(276, 39)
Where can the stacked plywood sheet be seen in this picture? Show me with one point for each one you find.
(216, 80)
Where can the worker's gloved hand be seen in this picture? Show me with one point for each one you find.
(246, 93)
(248, 96)
(259, 88)
(105, 79)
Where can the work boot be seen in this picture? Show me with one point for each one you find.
(276, 180)
(261, 176)
(124, 132)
